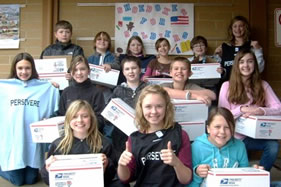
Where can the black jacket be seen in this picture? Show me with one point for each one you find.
(85, 91)
(81, 147)
(59, 48)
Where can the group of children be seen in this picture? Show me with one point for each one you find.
(160, 153)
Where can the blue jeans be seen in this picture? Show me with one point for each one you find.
(270, 150)
(20, 177)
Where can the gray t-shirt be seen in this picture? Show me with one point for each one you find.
(188, 86)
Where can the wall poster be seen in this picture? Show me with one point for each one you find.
(150, 21)
(9, 26)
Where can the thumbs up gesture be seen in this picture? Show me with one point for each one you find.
(126, 156)
(168, 156)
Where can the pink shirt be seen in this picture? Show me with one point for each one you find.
(272, 103)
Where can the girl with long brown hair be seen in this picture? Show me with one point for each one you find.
(247, 94)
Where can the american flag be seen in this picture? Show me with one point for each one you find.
(179, 20)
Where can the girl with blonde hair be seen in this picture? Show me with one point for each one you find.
(159, 153)
(81, 137)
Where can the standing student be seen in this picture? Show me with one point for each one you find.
(239, 38)
(180, 88)
(129, 92)
(159, 66)
(135, 48)
(102, 56)
(81, 137)
(25, 99)
(159, 153)
(62, 45)
(217, 148)
(82, 88)
(247, 94)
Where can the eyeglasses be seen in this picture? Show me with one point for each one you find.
(199, 46)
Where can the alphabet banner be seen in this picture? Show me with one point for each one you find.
(151, 21)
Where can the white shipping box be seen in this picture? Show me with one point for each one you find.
(159, 81)
(46, 131)
(261, 127)
(76, 171)
(121, 115)
(205, 71)
(190, 110)
(193, 129)
(238, 177)
(99, 76)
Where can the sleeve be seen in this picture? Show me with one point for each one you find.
(272, 103)
(62, 104)
(243, 157)
(78, 51)
(98, 106)
(196, 161)
(44, 173)
(148, 71)
(223, 101)
(260, 59)
(110, 170)
(117, 63)
(185, 151)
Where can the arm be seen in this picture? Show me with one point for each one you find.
(272, 103)
(98, 105)
(147, 74)
(243, 157)
(62, 104)
(123, 170)
(223, 101)
(257, 49)
(110, 170)
(78, 51)
(204, 95)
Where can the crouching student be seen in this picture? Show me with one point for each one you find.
(129, 92)
(81, 137)
(159, 153)
(218, 148)
(180, 88)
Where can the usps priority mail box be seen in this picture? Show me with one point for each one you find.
(193, 129)
(99, 76)
(261, 127)
(238, 177)
(205, 71)
(158, 81)
(46, 131)
(76, 171)
(121, 115)
(190, 110)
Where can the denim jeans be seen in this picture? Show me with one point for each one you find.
(20, 177)
(270, 150)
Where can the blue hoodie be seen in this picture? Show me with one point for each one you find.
(231, 155)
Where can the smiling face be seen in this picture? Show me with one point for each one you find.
(247, 65)
(199, 49)
(131, 71)
(163, 48)
(135, 47)
(24, 70)
(102, 43)
(180, 71)
(81, 123)
(238, 29)
(154, 109)
(219, 131)
(81, 72)
(63, 35)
